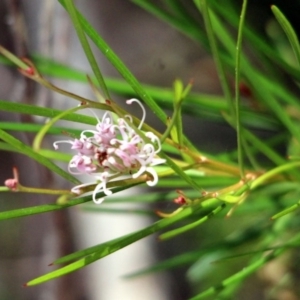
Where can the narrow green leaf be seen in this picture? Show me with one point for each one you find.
(120, 67)
(253, 76)
(85, 45)
(178, 89)
(92, 254)
(255, 38)
(288, 29)
(237, 89)
(183, 229)
(211, 30)
(201, 105)
(33, 210)
(39, 158)
(245, 272)
(286, 211)
(44, 130)
(65, 270)
(43, 111)
(288, 167)
(123, 70)
(184, 24)
(29, 127)
(50, 154)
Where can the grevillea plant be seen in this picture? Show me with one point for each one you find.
(251, 194)
(113, 150)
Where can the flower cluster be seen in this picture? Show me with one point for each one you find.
(113, 150)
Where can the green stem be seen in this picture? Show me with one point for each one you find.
(42, 191)
(202, 6)
(40, 135)
(171, 124)
(260, 180)
(237, 89)
(13, 58)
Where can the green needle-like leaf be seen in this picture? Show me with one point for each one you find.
(92, 254)
(85, 45)
(288, 29)
(178, 231)
(21, 147)
(120, 66)
(237, 89)
(44, 111)
(247, 271)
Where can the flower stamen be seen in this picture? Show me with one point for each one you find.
(112, 150)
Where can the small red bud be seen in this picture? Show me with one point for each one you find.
(180, 200)
(29, 71)
(12, 184)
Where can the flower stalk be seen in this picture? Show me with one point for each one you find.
(13, 184)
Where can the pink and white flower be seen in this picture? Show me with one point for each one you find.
(114, 150)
